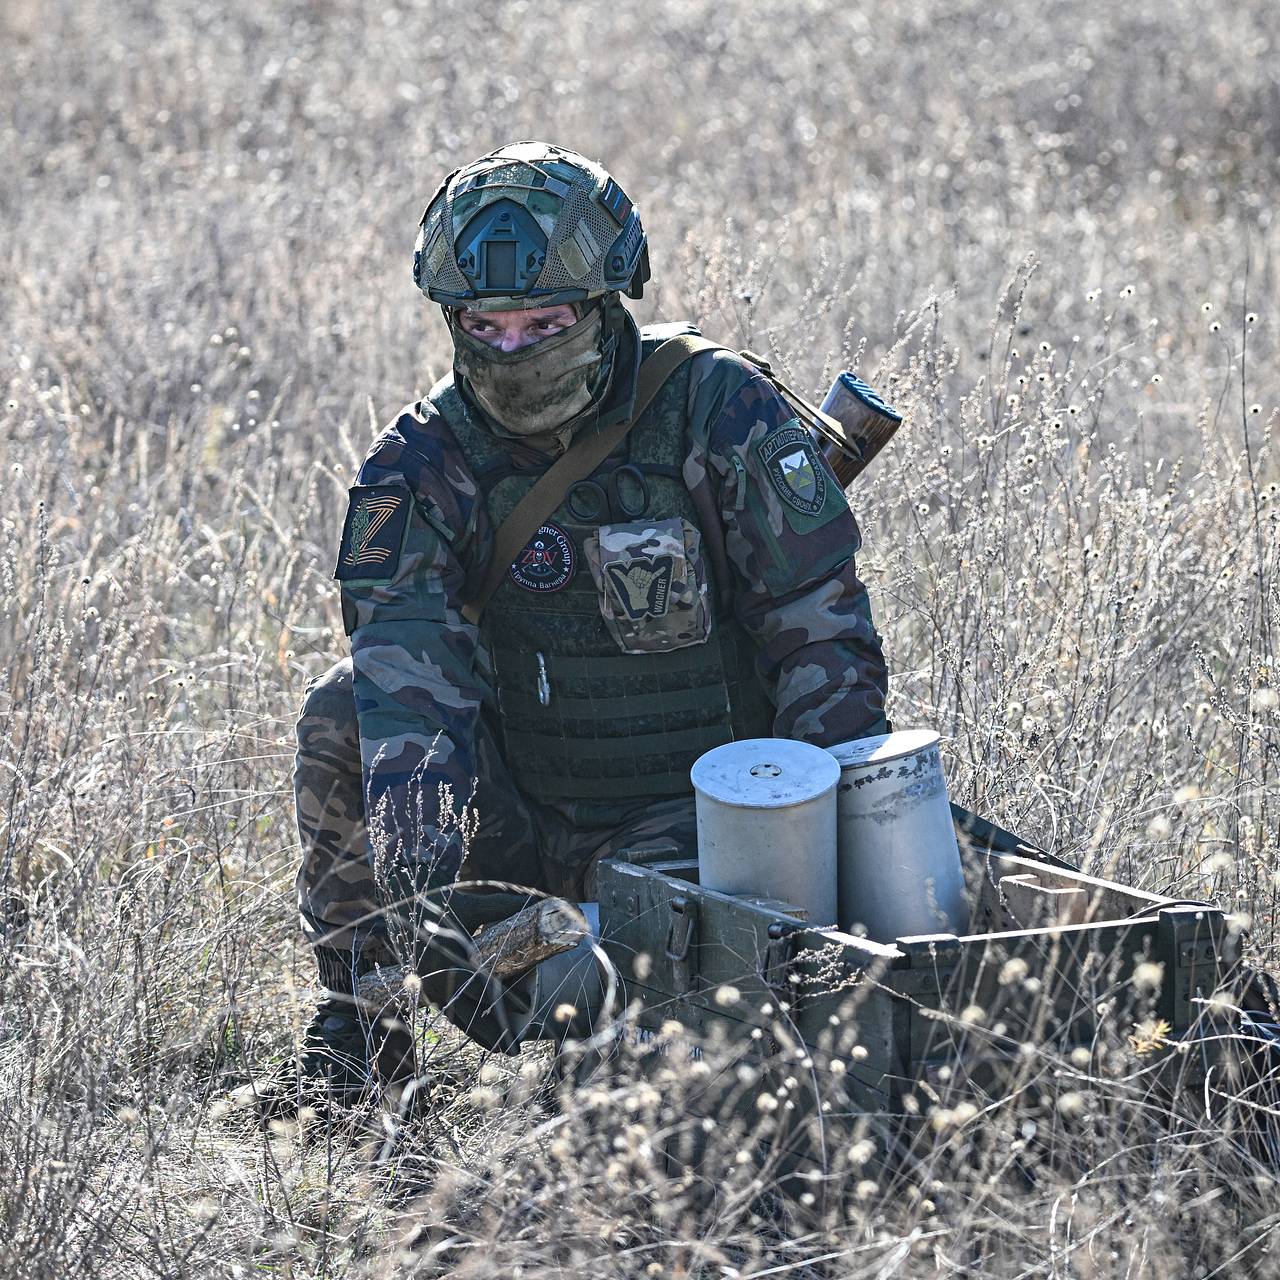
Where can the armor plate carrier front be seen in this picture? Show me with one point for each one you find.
(580, 719)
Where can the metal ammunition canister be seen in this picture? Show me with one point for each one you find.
(767, 822)
(898, 862)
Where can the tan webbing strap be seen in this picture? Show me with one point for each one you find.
(577, 463)
(826, 426)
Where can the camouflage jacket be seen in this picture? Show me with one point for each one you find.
(405, 565)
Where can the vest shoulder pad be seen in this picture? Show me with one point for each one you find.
(417, 427)
(652, 336)
(440, 388)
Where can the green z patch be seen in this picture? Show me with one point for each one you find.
(373, 532)
(799, 478)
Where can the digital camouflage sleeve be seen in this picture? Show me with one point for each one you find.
(769, 507)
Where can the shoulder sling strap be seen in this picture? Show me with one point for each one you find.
(591, 449)
(577, 463)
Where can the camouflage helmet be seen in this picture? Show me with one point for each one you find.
(529, 225)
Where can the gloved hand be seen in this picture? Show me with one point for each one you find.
(437, 920)
(475, 908)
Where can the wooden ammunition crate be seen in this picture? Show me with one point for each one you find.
(862, 1028)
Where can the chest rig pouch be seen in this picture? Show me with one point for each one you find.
(651, 584)
(613, 661)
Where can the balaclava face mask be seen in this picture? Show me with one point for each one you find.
(541, 388)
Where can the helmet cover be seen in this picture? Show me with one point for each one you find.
(529, 225)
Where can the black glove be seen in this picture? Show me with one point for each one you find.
(437, 920)
(473, 910)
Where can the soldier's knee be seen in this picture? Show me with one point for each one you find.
(327, 719)
(329, 698)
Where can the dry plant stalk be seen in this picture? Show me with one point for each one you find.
(545, 929)
(1073, 551)
(507, 948)
(385, 988)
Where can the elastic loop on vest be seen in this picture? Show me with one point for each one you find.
(678, 741)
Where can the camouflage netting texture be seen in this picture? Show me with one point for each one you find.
(563, 192)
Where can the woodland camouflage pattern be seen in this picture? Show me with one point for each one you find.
(553, 847)
(435, 786)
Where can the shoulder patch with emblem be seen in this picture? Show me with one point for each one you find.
(791, 462)
(373, 533)
(798, 475)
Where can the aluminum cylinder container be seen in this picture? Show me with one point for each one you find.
(898, 861)
(766, 812)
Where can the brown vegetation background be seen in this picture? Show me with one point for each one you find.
(1044, 228)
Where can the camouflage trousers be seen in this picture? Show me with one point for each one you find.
(552, 847)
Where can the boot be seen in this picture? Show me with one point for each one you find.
(349, 1051)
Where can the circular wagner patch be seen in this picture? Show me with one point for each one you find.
(547, 563)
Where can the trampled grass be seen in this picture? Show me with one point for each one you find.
(1045, 231)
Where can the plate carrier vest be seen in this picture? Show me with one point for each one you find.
(615, 726)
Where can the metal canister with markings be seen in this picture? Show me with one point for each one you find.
(898, 862)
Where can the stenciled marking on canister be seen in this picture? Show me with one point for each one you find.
(917, 765)
(919, 762)
(926, 783)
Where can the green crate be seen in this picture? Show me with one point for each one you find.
(864, 1027)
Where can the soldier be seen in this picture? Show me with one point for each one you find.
(519, 721)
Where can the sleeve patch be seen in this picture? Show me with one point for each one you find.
(799, 477)
(373, 532)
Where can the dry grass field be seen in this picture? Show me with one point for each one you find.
(1045, 228)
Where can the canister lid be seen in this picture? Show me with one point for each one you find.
(765, 773)
(883, 747)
